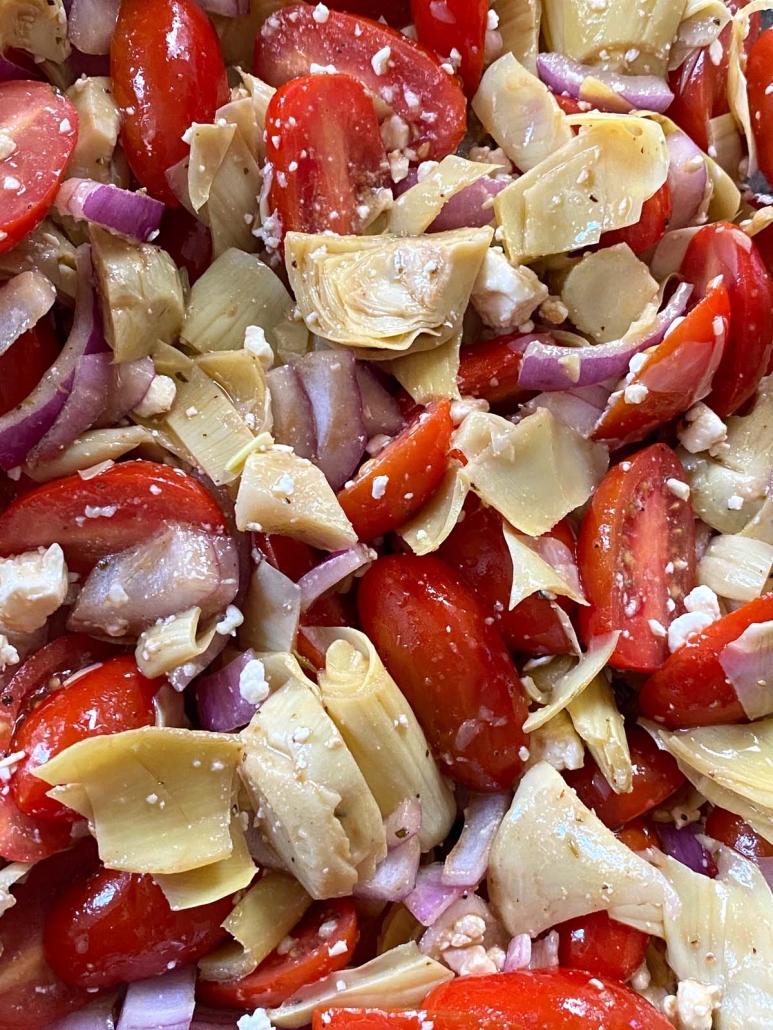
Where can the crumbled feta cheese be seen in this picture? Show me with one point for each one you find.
(323, 69)
(473, 961)
(395, 133)
(380, 60)
(636, 393)
(678, 489)
(505, 295)
(284, 486)
(320, 14)
(492, 21)
(554, 310)
(398, 165)
(33, 586)
(159, 398)
(379, 487)
(339, 948)
(693, 1006)
(256, 343)
(8, 653)
(704, 429)
(657, 628)
(230, 622)
(702, 610)
(461, 409)
(735, 502)
(7, 144)
(258, 1020)
(252, 682)
(487, 156)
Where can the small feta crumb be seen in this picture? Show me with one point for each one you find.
(284, 486)
(65, 125)
(636, 393)
(380, 60)
(8, 653)
(339, 948)
(398, 165)
(693, 1006)
(33, 586)
(230, 622)
(395, 134)
(735, 502)
(678, 489)
(159, 398)
(704, 429)
(258, 1020)
(656, 628)
(492, 21)
(152, 799)
(116, 595)
(252, 682)
(322, 69)
(379, 487)
(255, 343)
(702, 611)
(554, 310)
(320, 14)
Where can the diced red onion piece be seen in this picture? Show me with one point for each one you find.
(403, 823)
(687, 179)
(544, 952)
(518, 953)
(467, 862)
(431, 897)
(328, 377)
(471, 207)
(180, 677)
(9, 71)
(570, 407)
(380, 411)
(564, 75)
(129, 382)
(90, 24)
(228, 8)
(96, 1016)
(330, 572)
(682, 844)
(291, 408)
(542, 368)
(135, 215)
(395, 876)
(160, 1003)
(748, 664)
(24, 300)
(82, 408)
(219, 700)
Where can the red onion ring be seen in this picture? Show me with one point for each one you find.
(135, 215)
(564, 75)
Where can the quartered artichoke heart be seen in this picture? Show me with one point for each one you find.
(385, 293)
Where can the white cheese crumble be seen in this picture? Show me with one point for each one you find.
(505, 295)
(320, 14)
(255, 343)
(252, 682)
(33, 586)
(703, 429)
(8, 653)
(636, 393)
(380, 60)
(678, 489)
(258, 1020)
(693, 1006)
(159, 398)
(379, 487)
(702, 610)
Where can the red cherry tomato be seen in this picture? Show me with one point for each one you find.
(600, 946)
(490, 369)
(413, 465)
(410, 79)
(638, 835)
(547, 999)
(113, 927)
(477, 550)
(43, 126)
(143, 494)
(732, 830)
(110, 699)
(759, 76)
(451, 664)
(568, 104)
(31, 995)
(636, 553)
(651, 227)
(690, 688)
(309, 959)
(396, 12)
(22, 366)
(187, 240)
(675, 375)
(167, 72)
(324, 143)
(454, 25)
(723, 249)
(24, 839)
(655, 777)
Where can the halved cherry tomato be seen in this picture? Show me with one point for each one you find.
(568, 104)
(187, 240)
(601, 946)
(477, 550)
(23, 364)
(651, 227)
(690, 688)
(42, 124)
(724, 249)
(94, 517)
(732, 830)
(454, 25)
(396, 12)
(674, 375)
(410, 1019)
(113, 927)
(309, 959)
(636, 553)
(759, 76)
(409, 79)
(655, 777)
(409, 470)
(167, 72)
(452, 665)
(109, 699)
(490, 369)
(25, 839)
(548, 999)
(324, 143)
(638, 835)
(31, 995)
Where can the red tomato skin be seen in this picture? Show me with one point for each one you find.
(651, 227)
(655, 777)
(477, 550)
(600, 946)
(733, 831)
(43, 124)
(280, 976)
(113, 927)
(723, 249)
(490, 369)
(393, 1019)
(144, 494)
(25, 839)
(291, 40)
(167, 72)
(547, 999)
(325, 147)
(396, 12)
(112, 698)
(690, 688)
(638, 835)
(462, 679)
(456, 24)
(759, 77)
(22, 366)
(633, 513)
(414, 464)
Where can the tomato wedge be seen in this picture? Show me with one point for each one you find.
(392, 487)
(396, 12)
(324, 143)
(732, 830)
(455, 25)
(601, 946)
(22, 366)
(25, 839)
(691, 689)
(651, 227)
(490, 369)
(328, 926)
(94, 517)
(759, 76)
(42, 125)
(411, 1019)
(404, 74)
(674, 375)
(724, 249)
(636, 553)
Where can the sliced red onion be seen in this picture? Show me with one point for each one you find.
(291, 408)
(564, 75)
(571, 407)
(135, 215)
(330, 572)
(90, 24)
(403, 823)
(687, 178)
(748, 664)
(470, 208)
(180, 677)
(395, 876)
(544, 952)
(518, 953)
(10, 72)
(23, 427)
(176, 569)
(380, 411)
(431, 897)
(129, 382)
(682, 844)
(160, 1003)
(82, 408)
(467, 862)
(96, 1016)
(221, 706)
(549, 367)
(24, 300)
(227, 8)
(329, 379)
(668, 255)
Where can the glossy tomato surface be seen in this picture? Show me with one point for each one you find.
(759, 76)
(651, 227)
(454, 25)
(600, 946)
(22, 366)
(490, 369)
(733, 831)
